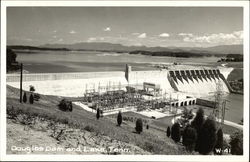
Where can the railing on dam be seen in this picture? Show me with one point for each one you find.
(63, 76)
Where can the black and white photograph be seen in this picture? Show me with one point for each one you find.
(115, 79)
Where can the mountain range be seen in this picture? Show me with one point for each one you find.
(103, 46)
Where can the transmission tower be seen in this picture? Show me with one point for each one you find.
(220, 102)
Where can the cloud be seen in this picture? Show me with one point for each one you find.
(164, 35)
(60, 40)
(143, 35)
(54, 36)
(72, 32)
(135, 33)
(107, 29)
(219, 38)
(186, 34)
(54, 31)
(95, 39)
(91, 39)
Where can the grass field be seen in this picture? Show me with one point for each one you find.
(79, 118)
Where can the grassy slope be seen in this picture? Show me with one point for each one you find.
(79, 118)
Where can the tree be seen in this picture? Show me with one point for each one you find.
(70, 106)
(189, 138)
(175, 132)
(24, 97)
(119, 118)
(236, 143)
(11, 58)
(31, 99)
(208, 137)
(168, 132)
(147, 126)
(139, 125)
(97, 113)
(197, 124)
(219, 143)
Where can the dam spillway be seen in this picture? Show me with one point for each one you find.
(196, 82)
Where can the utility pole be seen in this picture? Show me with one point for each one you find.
(21, 84)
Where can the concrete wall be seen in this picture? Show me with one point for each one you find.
(159, 77)
(76, 84)
(63, 76)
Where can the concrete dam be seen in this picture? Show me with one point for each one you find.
(177, 82)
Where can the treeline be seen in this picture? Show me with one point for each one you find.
(175, 54)
(37, 48)
(232, 58)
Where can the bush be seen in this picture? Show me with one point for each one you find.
(168, 131)
(36, 97)
(236, 143)
(219, 142)
(24, 97)
(189, 138)
(139, 126)
(208, 137)
(175, 132)
(119, 118)
(97, 113)
(31, 99)
(32, 88)
(89, 128)
(65, 105)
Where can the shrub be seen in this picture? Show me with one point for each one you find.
(219, 142)
(97, 113)
(24, 97)
(189, 138)
(36, 97)
(31, 99)
(236, 143)
(175, 132)
(89, 128)
(139, 125)
(119, 118)
(208, 137)
(168, 131)
(65, 105)
(32, 88)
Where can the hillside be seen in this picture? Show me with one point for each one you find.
(76, 129)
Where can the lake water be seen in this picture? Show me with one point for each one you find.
(65, 61)
(85, 61)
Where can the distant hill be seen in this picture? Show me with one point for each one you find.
(103, 46)
(229, 49)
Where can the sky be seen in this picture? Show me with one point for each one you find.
(148, 26)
